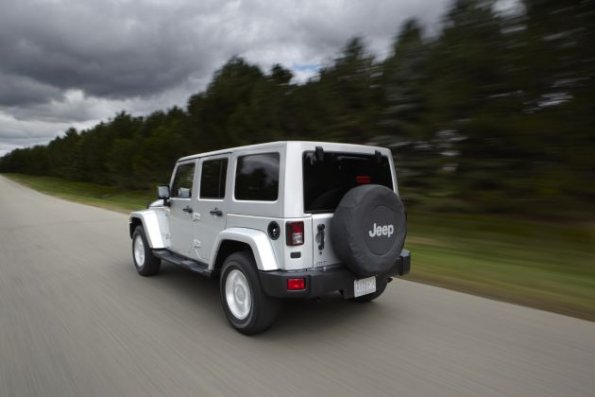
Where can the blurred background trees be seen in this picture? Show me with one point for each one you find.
(494, 113)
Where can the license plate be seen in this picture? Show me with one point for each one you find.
(364, 286)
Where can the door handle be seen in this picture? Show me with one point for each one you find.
(187, 209)
(216, 212)
(320, 236)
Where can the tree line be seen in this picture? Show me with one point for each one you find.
(495, 112)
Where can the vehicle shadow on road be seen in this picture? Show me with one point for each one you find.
(297, 317)
(325, 316)
(175, 290)
(191, 288)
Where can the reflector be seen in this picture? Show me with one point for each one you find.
(294, 284)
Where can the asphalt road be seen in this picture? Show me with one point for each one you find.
(76, 319)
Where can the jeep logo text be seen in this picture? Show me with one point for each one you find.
(378, 231)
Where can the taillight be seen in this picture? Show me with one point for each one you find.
(294, 233)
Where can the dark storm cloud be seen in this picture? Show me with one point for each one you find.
(121, 49)
(111, 49)
(23, 90)
(74, 62)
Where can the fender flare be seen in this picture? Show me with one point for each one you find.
(259, 242)
(155, 225)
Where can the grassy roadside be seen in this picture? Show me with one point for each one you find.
(545, 265)
(549, 266)
(87, 193)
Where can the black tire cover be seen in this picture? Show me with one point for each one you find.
(368, 229)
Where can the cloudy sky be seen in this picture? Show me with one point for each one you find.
(75, 63)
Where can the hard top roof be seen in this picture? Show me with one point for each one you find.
(277, 144)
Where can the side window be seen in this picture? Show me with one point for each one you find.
(182, 186)
(212, 180)
(257, 177)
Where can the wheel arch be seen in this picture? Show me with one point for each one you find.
(155, 225)
(256, 242)
(133, 223)
(227, 248)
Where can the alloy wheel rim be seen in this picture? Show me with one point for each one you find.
(237, 294)
(139, 251)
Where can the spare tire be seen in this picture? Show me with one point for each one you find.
(368, 229)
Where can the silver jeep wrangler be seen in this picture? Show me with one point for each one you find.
(278, 220)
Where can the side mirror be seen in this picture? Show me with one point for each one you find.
(163, 193)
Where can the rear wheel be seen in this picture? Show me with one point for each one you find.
(246, 306)
(145, 262)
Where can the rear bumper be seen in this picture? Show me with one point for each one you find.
(320, 281)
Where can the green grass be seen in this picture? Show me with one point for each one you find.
(88, 193)
(546, 265)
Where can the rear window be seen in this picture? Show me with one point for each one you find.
(327, 179)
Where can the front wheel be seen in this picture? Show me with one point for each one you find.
(246, 306)
(145, 262)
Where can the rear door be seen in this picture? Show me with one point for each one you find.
(182, 191)
(210, 215)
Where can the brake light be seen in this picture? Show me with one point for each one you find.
(295, 284)
(363, 179)
(295, 233)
